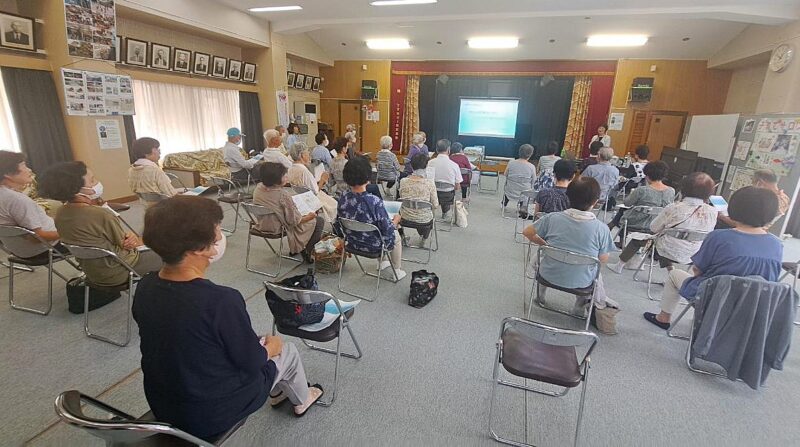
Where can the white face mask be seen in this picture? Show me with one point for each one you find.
(219, 246)
(97, 191)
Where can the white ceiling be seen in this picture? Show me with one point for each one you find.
(340, 27)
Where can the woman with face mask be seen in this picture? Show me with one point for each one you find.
(82, 221)
(204, 367)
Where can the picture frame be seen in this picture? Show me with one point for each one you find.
(182, 60)
(300, 81)
(315, 84)
(219, 66)
(234, 70)
(201, 63)
(160, 56)
(136, 52)
(17, 32)
(290, 77)
(309, 82)
(249, 72)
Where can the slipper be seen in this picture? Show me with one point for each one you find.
(651, 317)
(311, 404)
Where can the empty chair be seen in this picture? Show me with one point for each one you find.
(488, 169)
(232, 194)
(21, 240)
(536, 352)
(332, 332)
(349, 228)
(255, 213)
(122, 429)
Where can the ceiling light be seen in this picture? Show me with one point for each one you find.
(617, 40)
(276, 8)
(493, 42)
(388, 44)
(401, 2)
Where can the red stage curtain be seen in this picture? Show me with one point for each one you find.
(599, 104)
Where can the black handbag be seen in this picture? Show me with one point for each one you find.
(424, 285)
(294, 315)
(97, 298)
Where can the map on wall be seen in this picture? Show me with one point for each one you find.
(91, 29)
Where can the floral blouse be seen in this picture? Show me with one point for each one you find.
(367, 208)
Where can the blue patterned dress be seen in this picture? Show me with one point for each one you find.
(367, 208)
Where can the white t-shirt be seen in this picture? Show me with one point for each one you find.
(19, 210)
(446, 170)
(274, 155)
(606, 140)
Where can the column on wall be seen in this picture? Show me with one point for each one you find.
(578, 109)
(411, 112)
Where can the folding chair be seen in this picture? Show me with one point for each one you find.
(677, 233)
(175, 179)
(519, 182)
(791, 268)
(466, 174)
(651, 211)
(526, 199)
(151, 197)
(565, 257)
(350, 226)
(17, 239)
(544, 354)
(334, 331)
(447, 187)
(92, 253)
(255, 213)
(482, 172)
(232, 194)
(421, 205)
(123, 429)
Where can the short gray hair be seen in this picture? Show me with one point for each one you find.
(442, 146)
(605, 153)
(296, 151)
(386, 142)
(456, 148)
(350, 135)
(417, 138)
(525, 151)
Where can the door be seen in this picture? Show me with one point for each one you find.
(664, 129)
(350, 113)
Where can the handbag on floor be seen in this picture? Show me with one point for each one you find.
(461, 214)
(294, 315)
(605, 320)
(97, 298)
(424, 285)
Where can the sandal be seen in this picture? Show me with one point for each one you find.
(278, 399)
(310, 404)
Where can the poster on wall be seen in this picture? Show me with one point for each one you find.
(283, 107)
(108, 134)
(91, 28)
(74, 91)
(742, 149)
(776, 144)
(615, 121)
(97, 94)
(741, 177)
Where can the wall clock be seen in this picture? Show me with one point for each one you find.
(781, 58)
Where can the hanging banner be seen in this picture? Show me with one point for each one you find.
(91, 29)
(283, 107)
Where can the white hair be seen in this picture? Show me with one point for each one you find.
(386, 142)
(350, 135)
(350, 128)
(605, 153)
(271, 134)
(418, 138)
(296, 151)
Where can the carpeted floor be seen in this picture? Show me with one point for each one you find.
(425, 375)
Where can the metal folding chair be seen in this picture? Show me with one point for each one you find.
(15, 239)
(526, 199)
(334, 331)
(255, 214)
(349, 227)
(175, 179)
(466, 174)
(232, 194)
(544, 354)
(651, 211)
(677, 233)
(564, 257)
(521, 183)
(447, 187)
(483, 173)
(122, 429)
(90, 253)
(421, 205)
(791, 268)
(151, 197)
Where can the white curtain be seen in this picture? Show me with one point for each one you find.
(184, 118)
(8, 132)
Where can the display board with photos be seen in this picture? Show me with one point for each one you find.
(17, 32)
(88, 93)
(302, 81)
(157, 56)
(91, 29)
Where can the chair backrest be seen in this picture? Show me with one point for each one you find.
(224, 185)
(685, 235)
(256, 212)
(299, 296)
(88, 253)
(568, 257)
(465, 171)
(549, 335)
(151, 196)
(356, 226)
(174, 178)
(417, 204)
(15, 240)
(528, 195)
(124, 429)
(445, 186)
(515, 184)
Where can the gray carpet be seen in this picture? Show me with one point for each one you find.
(425, 374)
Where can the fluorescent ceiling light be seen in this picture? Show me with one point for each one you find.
(493, 42)
(276, 8)
(388, 44)
(617, 40)
(401, 2)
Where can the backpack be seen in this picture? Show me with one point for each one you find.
(97, 298)
(424, 286)
(293, 315)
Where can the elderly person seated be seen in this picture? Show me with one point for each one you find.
(417, 147)
(607, 176)
(654, 194)
(447, 173)
(747, 249)
(300, 175)
(577, 230)
(417, 187)
(553, 200)
(545, 167)
(302, 232)
(204, 367)
(81, 222)
(337, 166)
(457, 156)
(358, 204)
(691, 213)
(521, 168)
(145, 175)
(237, 164)
(352, 142)
(17, 208)
(274, 152)
(388, 167)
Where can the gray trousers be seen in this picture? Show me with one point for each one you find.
(291, 377)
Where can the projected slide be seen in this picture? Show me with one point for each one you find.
(488, 117)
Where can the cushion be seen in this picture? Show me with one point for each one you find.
(531, 359)
(584, 291)
(363, 254)
(258, 233)
(35, 261)
(416, 225)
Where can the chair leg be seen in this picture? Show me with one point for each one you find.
(674, 324)
(15, 306)
(583, 400)
(339, 354)
(88, 331)
(279, 253)
(358, 261)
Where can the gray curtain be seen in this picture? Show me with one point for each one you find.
(250, 115)
(130, 134)
(38, 116)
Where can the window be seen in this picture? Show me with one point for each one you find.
(8, 131)
(184, 118)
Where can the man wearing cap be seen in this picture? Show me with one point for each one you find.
(239, 166)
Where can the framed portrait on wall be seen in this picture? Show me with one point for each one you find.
(135, 52)
(235, 70)
(218, 67)
(201, 63)
(16, 32)
(290, 77)
(160, 56)
(315, 84)
(300, 81)
(183, 60)
(309, 82)
(249, 74)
